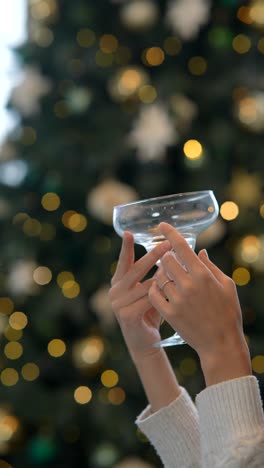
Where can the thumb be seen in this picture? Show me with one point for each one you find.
(203, 256)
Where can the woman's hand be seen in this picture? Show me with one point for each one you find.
(203, 307)
(138, 319)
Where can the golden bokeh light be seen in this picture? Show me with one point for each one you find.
(6, 305)
(154, 56)
(83, 395)
(13, 335)
(109, 378)
(247, 111)
(71, 289)
(13, 350)
(130, 81)
(243, 15)
(256, 12)
(42, 36)
(30, 371)
(50, 201)
(241, 44)
(63, 277)
(66, 216)
(261, 210)
(229, 210)
(43, 10)
(172, 45)
(116, 396)
(56, 347)
(18, 320)
(77, 222)
(241, 276)
(32, 227)
(250, 248)
(197, 65)
(85, 37)
(147, 94)
(9, 377)
(42, 275)
(193, 149)
(258, 364)
(20, 218)
(108, 43)
(88, 351)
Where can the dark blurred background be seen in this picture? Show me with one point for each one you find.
(118, 101)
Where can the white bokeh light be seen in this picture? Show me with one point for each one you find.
(12, 33)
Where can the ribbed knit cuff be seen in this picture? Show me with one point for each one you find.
(174, 432)
(228, 412)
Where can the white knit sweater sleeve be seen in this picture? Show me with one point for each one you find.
(231, 424)
(174, 432)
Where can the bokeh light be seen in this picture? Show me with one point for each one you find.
(56, 347)
(241, 44)
(50, 201)
(229, 210)
(154, 56)
(82, 395)
(71, 289)
(30, 371)
(116, 396)
(85, 37)
(109, 378)
(258, 364)
(9, 377)
(241, 276)
(42, 275)
(13, 350)
(88, 351)
(193, 149)
(197, 65)
(18, 320)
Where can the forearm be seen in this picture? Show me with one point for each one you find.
(158, 379)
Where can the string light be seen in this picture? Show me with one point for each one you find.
(9, 377)
(18, 320)
(30, 371)
(85, 37)
(50, 201)
(241, 276)
(172, 45)
(88, 351)
(243, 15)
(258, 364)
(154, 56)
(64, 276)
(241, 44)
(32, 227)
(71, 289)
(147, 94)
(6, 305)
(193, 149)
(256, 12)
(108, 43)
(13, 350)
(42, 275)
(83, 395)
(116, 396)
(56, 348)
(77, 222)
(250, 248)
(109, 378)
(13, 335)
(197, 65)
(229, 210)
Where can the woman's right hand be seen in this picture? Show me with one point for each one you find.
(138, 319)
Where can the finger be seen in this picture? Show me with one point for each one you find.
(126, 257)
(125, 298)
(142, 266)
(129, 316)
(158, 301)
(173, 269)
(203, 256)
(182, 249)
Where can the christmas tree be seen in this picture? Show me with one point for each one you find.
(119, 101)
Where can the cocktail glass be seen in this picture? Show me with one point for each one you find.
(190, 213)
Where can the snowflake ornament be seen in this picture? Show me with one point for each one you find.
(153, 132)
(186, 17)
(32, 87)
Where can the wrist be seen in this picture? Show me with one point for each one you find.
(227, 363)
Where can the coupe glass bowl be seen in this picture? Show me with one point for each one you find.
(190, 213)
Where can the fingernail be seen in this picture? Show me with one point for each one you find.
(206, 253)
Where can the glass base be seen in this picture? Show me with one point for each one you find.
(171, 341)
